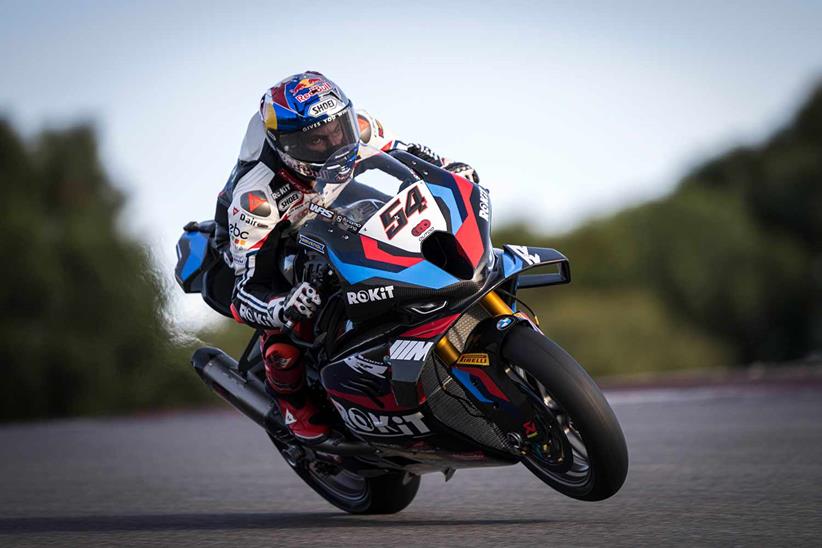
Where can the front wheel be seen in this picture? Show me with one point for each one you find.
(384, 494)
(578, 448)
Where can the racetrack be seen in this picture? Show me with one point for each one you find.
(709, 466)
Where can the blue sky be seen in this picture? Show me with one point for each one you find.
(567, 110)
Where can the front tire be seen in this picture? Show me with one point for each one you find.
(388, 493)
(581, 450)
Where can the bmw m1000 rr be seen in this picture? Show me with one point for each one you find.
(419, 350)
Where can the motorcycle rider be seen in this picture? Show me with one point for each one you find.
(301, 122)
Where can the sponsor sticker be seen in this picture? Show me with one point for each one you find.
(405, 349)
(367, 422)
(256, 202)
(421, 227)
(249, 220)
(476, 359)
(323, 87)
(311, 244)
(364, 365)
(289, 200)
(282, 191)
(522, 251)
(485, 209)
(237, 232)
(325, 105)
(370, 295)
(320, 210)
(254, 316)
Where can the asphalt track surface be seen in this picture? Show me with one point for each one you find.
(709, 466)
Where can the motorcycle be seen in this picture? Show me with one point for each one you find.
(420, 351)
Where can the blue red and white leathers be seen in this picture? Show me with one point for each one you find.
(259, 194)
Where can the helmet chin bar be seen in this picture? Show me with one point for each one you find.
(306, 170)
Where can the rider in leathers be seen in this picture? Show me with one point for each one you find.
(301, 121)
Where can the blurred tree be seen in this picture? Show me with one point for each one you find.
(82, 329)
(733, 255)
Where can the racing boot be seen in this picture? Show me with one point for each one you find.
(285, 377)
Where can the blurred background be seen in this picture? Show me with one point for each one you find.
(673, 151)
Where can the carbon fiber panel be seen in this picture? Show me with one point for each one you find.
(447, 399)
(460, 331)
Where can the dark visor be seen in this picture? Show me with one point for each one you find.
(317, 144)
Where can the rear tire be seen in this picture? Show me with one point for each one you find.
(573, 396)
(385, 494)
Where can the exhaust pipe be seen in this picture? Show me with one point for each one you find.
(220, 373)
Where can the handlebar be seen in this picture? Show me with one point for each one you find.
(288, 329)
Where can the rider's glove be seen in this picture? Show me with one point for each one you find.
(463, 170)
(424, 153)
(301, 303)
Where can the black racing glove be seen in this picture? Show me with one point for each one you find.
(424, 153)
(301, 303)
(463, 170)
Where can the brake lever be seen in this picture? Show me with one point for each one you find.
(288, 329)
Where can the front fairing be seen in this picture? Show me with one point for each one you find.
(430, 243)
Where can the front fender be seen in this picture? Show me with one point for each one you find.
(519, 258)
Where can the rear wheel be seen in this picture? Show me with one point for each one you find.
(385, 494)
(579, 448)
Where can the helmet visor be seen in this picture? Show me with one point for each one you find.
(318, 143)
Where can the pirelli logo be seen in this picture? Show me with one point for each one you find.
(404, 349)
(474, 359)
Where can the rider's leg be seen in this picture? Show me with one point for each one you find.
(285, 376)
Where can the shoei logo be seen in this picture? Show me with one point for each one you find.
(369, 423)
(474, 359)
(289, 200)
(403, 349)
(485, 210)
(323, 106)
(371, 295)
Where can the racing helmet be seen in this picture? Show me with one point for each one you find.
(307, 119)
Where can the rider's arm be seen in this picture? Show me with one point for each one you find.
(374, 134)
(252, 217)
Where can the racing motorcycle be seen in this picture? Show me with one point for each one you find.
(420, 353)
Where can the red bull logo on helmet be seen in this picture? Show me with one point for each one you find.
(311, 87)
(305, 83)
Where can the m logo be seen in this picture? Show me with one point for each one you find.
(403, 349)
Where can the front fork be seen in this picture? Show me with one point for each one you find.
(481, 371)
(495, 306)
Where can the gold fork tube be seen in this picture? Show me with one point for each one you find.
(495, 306)
(446, 351)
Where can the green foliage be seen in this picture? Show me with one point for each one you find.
(622, 331)
(82, 330)
(727, 269)
(731, 261)
(228, 336)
